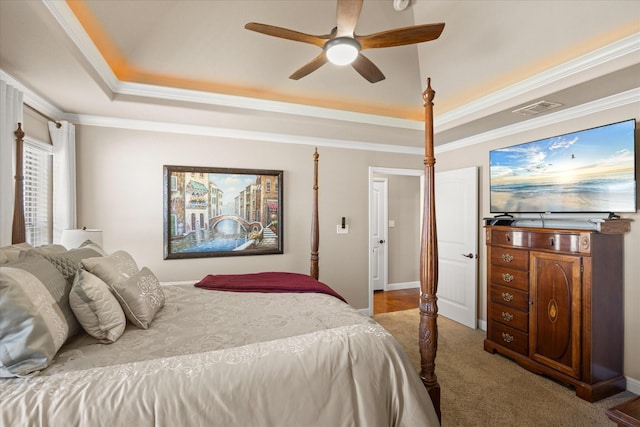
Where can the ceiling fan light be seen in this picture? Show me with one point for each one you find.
(342, 50)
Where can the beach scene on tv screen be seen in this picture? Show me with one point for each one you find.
(587, 171)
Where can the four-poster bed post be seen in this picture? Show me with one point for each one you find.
(18, 234)
(428, 330)
(315, 234)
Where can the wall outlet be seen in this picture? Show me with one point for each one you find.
(340, 230)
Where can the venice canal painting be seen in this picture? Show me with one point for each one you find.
(221, 212)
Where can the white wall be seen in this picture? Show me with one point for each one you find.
(478, 155)
(120, 191)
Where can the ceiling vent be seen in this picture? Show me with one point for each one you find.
(537, 108)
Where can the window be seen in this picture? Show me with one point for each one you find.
(38, 212)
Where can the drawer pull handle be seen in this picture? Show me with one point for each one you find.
(507, 277)
(507, 316)
(507, 296)
(506, 337)
(507, 257)
(507, 237)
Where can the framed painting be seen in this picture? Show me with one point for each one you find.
(212, 212)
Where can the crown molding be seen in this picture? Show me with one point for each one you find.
(247, 135)
(31, 98)
(241, 102)
(618, 100)
(625, 98)
(625, 51)
(70, 24)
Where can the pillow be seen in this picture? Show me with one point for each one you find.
(33, 325)
(68, 262)
(113, 268)
(12, 253)
(95, 307)
(140, 296)
(92, 245)
(44, 249)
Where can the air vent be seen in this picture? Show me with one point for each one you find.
(537, 108)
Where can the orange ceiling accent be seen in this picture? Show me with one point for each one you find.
(126, 72)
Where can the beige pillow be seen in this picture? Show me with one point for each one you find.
(113, 268)
(12, 253)
(92, 245)
(140, 296)
(95, 307)
(68, 262)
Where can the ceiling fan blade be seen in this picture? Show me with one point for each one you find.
(401, 36)
(309, 67)
(367, 69)
(285, 33)
(347, 14)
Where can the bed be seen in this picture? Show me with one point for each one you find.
(209, 354)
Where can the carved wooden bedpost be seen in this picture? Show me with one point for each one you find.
(18, 234)
(428, 332)
(315, 234)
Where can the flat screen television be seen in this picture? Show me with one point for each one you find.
(588, 171)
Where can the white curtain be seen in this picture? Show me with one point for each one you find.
(10, 116)
(64, 178)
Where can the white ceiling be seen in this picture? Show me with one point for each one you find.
(192, 64)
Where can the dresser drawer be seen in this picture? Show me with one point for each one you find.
(510, 297)
(508, 277)
(516, 238)
(511, 258)
(509, 338)
(508, 316)
(556, 242)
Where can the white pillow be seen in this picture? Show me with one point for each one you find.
(95, 307)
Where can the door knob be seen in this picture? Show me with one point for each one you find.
(469, 255)
(381, 241)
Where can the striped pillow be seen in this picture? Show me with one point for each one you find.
(33, 325)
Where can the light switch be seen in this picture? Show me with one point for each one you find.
(392, 223)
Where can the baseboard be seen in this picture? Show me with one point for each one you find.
(365, 311)
(482, 324)
(633, 385)
(403, 285)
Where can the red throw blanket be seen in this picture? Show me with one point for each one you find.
(266, 282)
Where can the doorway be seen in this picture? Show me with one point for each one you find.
(457, 224)
(379, 224)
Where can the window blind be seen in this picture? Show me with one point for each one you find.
(37, 160)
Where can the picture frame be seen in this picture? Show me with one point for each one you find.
(218, 212)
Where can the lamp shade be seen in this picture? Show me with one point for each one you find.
(74, 238)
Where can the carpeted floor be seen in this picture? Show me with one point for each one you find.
(483, 389)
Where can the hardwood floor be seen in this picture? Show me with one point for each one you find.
(388, 301)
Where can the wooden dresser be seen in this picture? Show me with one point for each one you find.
(554, 304)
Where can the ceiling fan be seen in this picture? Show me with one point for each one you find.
(342, 46)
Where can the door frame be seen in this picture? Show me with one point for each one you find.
(386, 171)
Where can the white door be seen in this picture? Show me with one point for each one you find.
(379, 213)
(457, 228)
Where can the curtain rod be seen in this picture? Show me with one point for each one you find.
(58, 124)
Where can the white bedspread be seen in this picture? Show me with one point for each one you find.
(229, 359)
